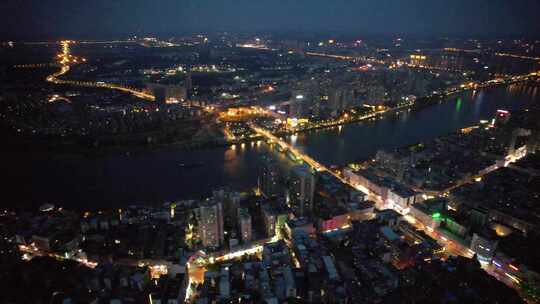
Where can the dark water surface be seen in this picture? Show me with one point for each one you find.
(155, 177)
(356, 141)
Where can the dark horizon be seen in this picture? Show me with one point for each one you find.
(33, 19)
(276, 34)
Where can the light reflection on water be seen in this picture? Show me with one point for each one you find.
(156, 177)
(361, 140)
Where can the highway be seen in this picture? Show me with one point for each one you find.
(343, 57)
(81, 42)
(66, 59)
(410, 65)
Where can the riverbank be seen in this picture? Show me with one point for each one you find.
(139, 143)
(429, 119)
(153, 176)
(420, 103)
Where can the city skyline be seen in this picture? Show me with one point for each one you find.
(270, 152)
(33, 19)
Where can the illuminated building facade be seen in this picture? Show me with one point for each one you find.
(502, 117)
(334, 223)
(167, 93)
(244, 223)
(274, 218)
(339, 99)
(483, 246)
(269, 179)
(419, 60)
(297, 105)
(210, 224)
(301, 190)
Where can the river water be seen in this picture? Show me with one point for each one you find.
(155, 177)
(352, 142)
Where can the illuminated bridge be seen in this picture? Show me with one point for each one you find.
(298, 154)
(286, 146)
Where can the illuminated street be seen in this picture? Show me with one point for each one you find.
(278, 152)
(66, 59)
(31, 251)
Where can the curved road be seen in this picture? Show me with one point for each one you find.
(65, 59)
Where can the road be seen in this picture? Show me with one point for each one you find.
(29, 251)
(196, 272)
(452, 247)
(344, 57)
(433, 68)
(66, 59)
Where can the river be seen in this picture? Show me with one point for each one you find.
(155, 177)
(341, 145)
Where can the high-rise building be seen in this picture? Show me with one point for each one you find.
(167, 93)
(160, 92)
(269, 219)
(176, 93)
(502, 117)
(452, 60)
(418, 60)
(301, 190)
(270, 178)
(339, 99)
(210, 223)
(244, 224)
(274, 215)
(188, 84)
(484, 245)
(296, 106)
(231, 201)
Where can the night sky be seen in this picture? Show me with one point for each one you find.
(100, 18)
